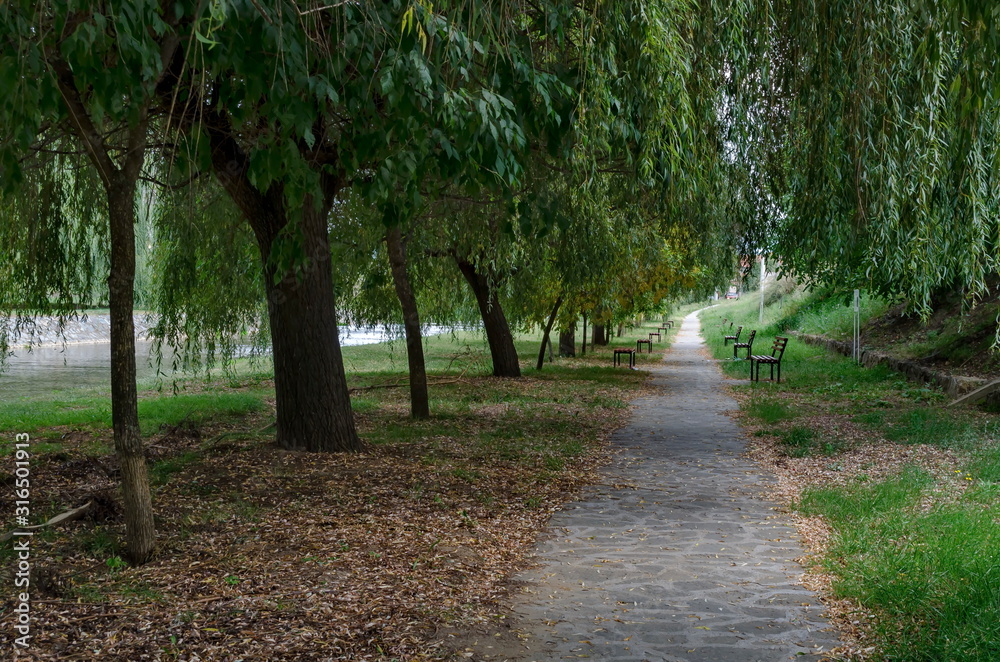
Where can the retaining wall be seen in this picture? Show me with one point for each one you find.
(90, 328)
(953, 385)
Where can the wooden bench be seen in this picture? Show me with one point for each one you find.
(777, 351)
(619, 351)
(664, 328)
(654, 333)
(734, 338)
(748, 345)
(648, 343)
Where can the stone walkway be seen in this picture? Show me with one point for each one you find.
(673, 557)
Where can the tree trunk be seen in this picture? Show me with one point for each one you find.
(600, 337)
(140, 533)
(583, 341)
(311, 397)
(313, 404)
(548, 330)
(505, 363)
(621, 330)
(419, 400)
(567, 341)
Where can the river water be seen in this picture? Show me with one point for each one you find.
(49, 369)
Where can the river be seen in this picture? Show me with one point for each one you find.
(49, 369)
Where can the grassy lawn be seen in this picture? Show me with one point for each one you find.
(906, 491)
(378, 550)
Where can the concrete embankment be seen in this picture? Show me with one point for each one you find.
(89, 328)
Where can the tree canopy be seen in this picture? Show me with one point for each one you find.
(281, 168)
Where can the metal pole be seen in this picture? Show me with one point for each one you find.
(857, 326)
(762, 288)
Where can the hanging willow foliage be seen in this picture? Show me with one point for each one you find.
(55, 256)
(871, 129)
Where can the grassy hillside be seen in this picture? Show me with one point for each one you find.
(955, 338)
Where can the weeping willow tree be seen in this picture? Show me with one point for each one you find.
(405, 102)
(83, 82)
(869, 130)
(291, 105)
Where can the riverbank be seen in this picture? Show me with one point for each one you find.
(85, 328)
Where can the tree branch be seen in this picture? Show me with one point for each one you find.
(82, 122)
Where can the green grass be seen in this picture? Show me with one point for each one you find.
(924, 425)
(986, 464)
(160, 472)
(155, 410)
(798, 441)
(931, 577)
(769, 410)
(915, 549)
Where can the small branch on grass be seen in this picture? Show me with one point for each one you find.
(208, 445)
(68, 516)
(373, 387)
(404, 383)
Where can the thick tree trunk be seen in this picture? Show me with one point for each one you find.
(548, 330)
(419, 400)
(311, 397)
(621, 330)
(567, 341)
(600, 336)
(140, 534)
(501, 341)
(313, 405)
(583, 341)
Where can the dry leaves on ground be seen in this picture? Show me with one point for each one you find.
(273, 555)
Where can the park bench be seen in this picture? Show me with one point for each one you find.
(648, 343)
(777, 351)
(654, 333)
(670, 323)
(748, 345)
(620, 351)
(664, 329)
(735, 338)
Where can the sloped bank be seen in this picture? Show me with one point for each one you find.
(84, 328)
(953, 385)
